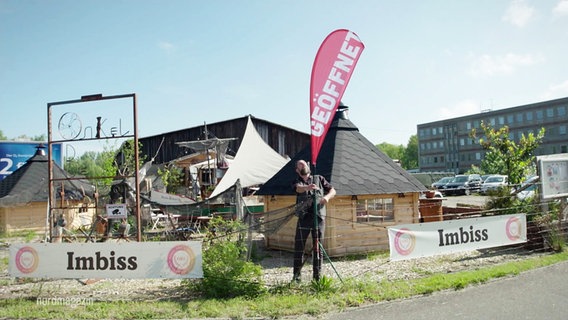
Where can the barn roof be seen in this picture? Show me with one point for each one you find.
(350, 162)
(30, 183)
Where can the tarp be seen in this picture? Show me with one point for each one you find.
(254, 163)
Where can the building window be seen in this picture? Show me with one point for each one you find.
(519, 117)
(564, 149)
(441, 144)
(561, 111)
(539, 115)
(562, 129)
(468, 125)
(529, 116)
(510, 119)
(478, 156)
(433, 131)
(375, 210)
(549, 113)
(462, 142)
(501, 120)
(441, 130)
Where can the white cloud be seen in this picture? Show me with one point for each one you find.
(168, 47)
(460, 109)
(556, 91)
(488, 65)
(561, 8)
(518, 13)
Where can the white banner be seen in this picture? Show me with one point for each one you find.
(132, 260)
(167, 199)
(411, 241)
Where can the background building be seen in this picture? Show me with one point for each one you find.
(165, 147)
(445, 145)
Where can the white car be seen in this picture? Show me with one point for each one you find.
(528, 188)
(494, 182)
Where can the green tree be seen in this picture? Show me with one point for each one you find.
(409, 158)
(24, 137)
(172, 177)
(94, 164)
(504, 155)
(125, 160)
(2, 136)
(391, 150)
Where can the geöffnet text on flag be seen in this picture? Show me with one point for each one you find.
(332, 69)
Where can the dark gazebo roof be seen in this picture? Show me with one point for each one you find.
(30, 183)
(352, 164)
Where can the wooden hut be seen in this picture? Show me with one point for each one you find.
(373, 193)
(24, 197)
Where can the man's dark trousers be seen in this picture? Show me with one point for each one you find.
(304, 227)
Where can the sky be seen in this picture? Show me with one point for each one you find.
(196, 62)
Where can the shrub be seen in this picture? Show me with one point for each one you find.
(226, 273)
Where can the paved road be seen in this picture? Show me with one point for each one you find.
(535, 294)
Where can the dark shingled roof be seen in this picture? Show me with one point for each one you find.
(350, 162)
(30, 184)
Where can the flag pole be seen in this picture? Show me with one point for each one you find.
(318, 245)
(333, 66)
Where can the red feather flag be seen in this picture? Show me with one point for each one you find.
(332, 69)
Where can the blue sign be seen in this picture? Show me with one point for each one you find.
(14, 154)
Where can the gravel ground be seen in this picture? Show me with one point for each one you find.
(277, 266)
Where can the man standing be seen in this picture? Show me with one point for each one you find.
(308, 188)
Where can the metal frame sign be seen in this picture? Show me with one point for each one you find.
(553, 173)
(128, 260)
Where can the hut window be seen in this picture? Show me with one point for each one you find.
(375, 210)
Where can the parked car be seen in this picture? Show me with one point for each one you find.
(527, 188)
(462, 184)
(443, 181)
(494, 182)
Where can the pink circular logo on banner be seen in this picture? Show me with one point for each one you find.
(404, 241)
(181, 259)
(27, 260)
(513, 228)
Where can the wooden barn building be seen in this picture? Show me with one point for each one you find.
(373, 193)
(166, 146)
